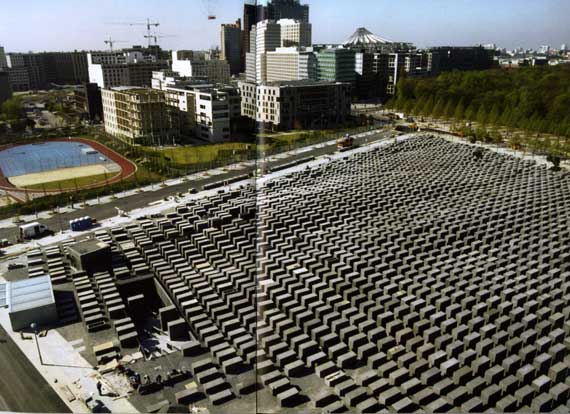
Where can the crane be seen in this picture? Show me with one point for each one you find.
(149, 25)
(111, 42)
(156, 37)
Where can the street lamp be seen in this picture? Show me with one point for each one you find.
(34, 327)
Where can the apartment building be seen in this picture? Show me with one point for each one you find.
(41, 70)
(139, 116)
(205, 110)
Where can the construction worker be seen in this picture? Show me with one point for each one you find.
(99, 387)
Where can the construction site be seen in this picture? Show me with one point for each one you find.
(412, 275)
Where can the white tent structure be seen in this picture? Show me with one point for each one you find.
(364, 37)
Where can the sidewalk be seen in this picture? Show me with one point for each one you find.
(71, 376)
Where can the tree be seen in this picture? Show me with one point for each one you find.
(449, 109)
(494, 115)
(12, 108)
(428, 107)
(482, 115)
(470, 113)
(438, 109)
(459, 113)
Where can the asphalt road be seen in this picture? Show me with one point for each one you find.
(103, 211)
(22, 388)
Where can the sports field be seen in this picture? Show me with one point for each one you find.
(64, 174)
(61, 164)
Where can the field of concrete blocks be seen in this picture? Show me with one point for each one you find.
(412, 277)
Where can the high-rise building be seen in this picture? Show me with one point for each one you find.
(3, 61)
(265, 37)
(563, 47)
(544, 49)
(253, 13)
(336, 65)
(288, 9)
(139, 116)
(295, 33)
(231, 46)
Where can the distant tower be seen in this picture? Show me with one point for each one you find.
(231, 45)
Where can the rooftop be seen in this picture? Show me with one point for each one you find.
(28, 294)
(88, 246)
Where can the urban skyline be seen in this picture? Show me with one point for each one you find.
(186, 23)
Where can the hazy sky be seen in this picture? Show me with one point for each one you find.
(83, 24)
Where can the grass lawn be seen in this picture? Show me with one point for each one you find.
(189, 155)
(71, 183)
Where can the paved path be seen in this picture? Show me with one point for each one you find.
(22, 387)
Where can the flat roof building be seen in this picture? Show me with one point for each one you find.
(90, 255)
(29, 301)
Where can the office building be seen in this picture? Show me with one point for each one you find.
(295, 33)
(265, 37)
(193, 65)
(88, 101)
(5, 87)
(336, 65)
(449, 58)
(287, 9)
(122, 68)
(253, 13)
(285, 64)
(231, 46)
(139, 116)
(3, 61)
(296, 104)
(390, 67)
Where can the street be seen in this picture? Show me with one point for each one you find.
(103, 211)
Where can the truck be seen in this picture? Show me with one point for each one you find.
(82, 223)
(345, 143)
(33, 230)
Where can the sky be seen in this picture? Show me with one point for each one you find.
(51, 25)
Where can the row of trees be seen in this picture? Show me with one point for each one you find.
(535, 99)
